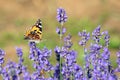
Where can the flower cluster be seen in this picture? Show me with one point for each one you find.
(61, 15)
(85, 37)
(97, 58)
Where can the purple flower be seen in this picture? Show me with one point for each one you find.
(71, 57)
(96, 34)
(57, 72)
(68, 65)
(66, 71)
(19, 67)
(20, 54)
(106, 37)
(40, 57)
(5, 74)
(89, 73)
(60, 52)
(61, 15)
(57, 50)
(118, 58)
(46, 52)
(35, 75)
(85, 37)
(43, 60)
(63, 30)
(2, 54)
(67, 41)
(78, 72)
(118, 62)
(87, 60)
(12, 70)
(26, 74)
(58, 31)
(112, 77)
(32, 50)
(95, 48)
(106, 54)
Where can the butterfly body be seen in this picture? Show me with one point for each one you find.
(35, 32)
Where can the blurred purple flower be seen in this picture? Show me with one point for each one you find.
(106, 54)
(61, 15)
(67, 41)
(89, 73)
(118, 58)
(19, 52)
(40, 58)
(26, 74)
(113, 77)
(58, 31)
(106, 37)
(2, 54)
(19, 68)
(70, 58)
(63, 30)
(78, 72)
(57, 72)
(85, 37)
(35, 75)
(118, 62)
(95, 48)
(20, 55)
(68, 65)
(43, 60)
(12, 70)
(96, 34)
(57, 50)
(5, 74)
(33, 53)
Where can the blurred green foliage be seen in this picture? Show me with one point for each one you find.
(50, 38)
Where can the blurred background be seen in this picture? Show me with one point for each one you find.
(18, 15)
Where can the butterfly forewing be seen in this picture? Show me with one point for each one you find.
(35, 32)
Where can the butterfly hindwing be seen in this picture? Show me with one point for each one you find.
(35, 32)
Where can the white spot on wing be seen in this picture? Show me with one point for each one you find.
(40, 26)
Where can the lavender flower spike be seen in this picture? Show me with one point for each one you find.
(96, 34)
(67, 41)
(61, 15)
(85, 37)
(19, 52)
(106, 38)
(118, 62)
(2, 54)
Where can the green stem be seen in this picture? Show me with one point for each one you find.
(84, 68)
(61, 47)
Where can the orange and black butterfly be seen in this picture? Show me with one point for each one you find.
(35, 32)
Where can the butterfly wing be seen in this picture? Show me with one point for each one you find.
(35, 32)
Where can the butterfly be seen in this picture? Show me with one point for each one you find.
(35, 32)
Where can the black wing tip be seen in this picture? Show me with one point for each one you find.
(39, 22)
